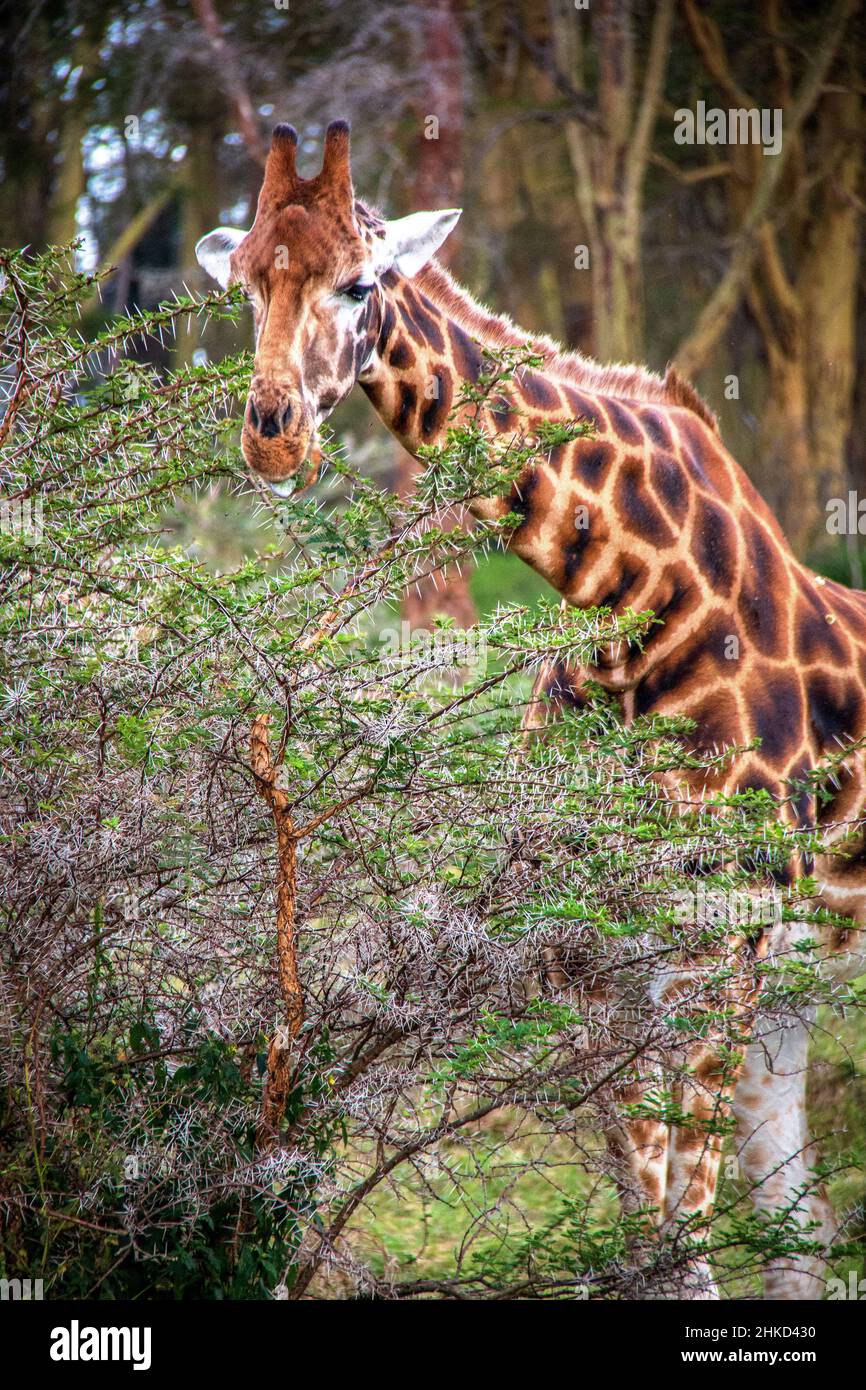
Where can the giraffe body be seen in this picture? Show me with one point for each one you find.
(649, 513)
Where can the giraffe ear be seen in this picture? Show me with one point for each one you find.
(214, 251)
(409, 242)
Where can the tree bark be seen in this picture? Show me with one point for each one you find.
(828, 282)
(71, 181)
(279, 1063)
(609, 164)
(438, 183)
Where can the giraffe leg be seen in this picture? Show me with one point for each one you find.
(702, 1092)
(775, 1154)
(669, 1171)
(774, 1149)
(705, 1076)
(638, 1151)
(636, 1147)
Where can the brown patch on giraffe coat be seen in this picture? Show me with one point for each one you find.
(753, 779)
(434, 414)
(674, 599)
(529, 498)
(348, 360)
(816, 639)
(764, 590)
(697, 661)
(835, 708)
(848, 603)
(776, 706)
(670, 485)
(702, 455)
(803, 803)
(538, 393)
(389, 323)
(418, 315)
(586, 409)
(556, 455)
(559, 684)
(467, 354)
(624, 423)
(718, 725)
(623, 583)
(401, 355)
(689, 1138)
(592, 462)
(714, 545)
(376, 393)
(657, 428)
(692, 452)
(406, 411)
(635, 505)
(584, 548)
(504, 414)
(849, 870)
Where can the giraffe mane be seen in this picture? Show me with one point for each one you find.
(624, 381)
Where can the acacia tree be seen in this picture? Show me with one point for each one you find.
(276, 888)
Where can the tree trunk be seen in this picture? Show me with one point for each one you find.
(828, 282)
(71, 177)
(609, 163)
(438, 184)
(199, 211)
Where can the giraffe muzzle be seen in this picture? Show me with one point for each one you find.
(269, 423)
(276, 437)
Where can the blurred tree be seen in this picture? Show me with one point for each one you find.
(791, 283)
(437, 182)
(609, 148)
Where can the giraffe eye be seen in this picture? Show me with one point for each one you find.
(357, 292)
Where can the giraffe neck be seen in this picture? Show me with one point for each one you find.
(650, 513)
(607, 519)
(430, 344)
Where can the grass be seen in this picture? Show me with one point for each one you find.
(480, 1208)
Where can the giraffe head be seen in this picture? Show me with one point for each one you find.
(311, 266)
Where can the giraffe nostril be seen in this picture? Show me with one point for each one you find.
(269, 426)
(269, 423)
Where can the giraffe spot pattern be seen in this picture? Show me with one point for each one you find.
(670, 484)
(762, 590)
(401, 355)
(636, 507)
(776, 704)
(435, 413)
(714, 545)
(592, 462)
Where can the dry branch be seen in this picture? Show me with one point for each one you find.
(266, 773)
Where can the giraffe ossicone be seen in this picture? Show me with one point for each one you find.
(649, 512)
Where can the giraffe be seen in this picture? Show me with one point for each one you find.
(669, 522)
